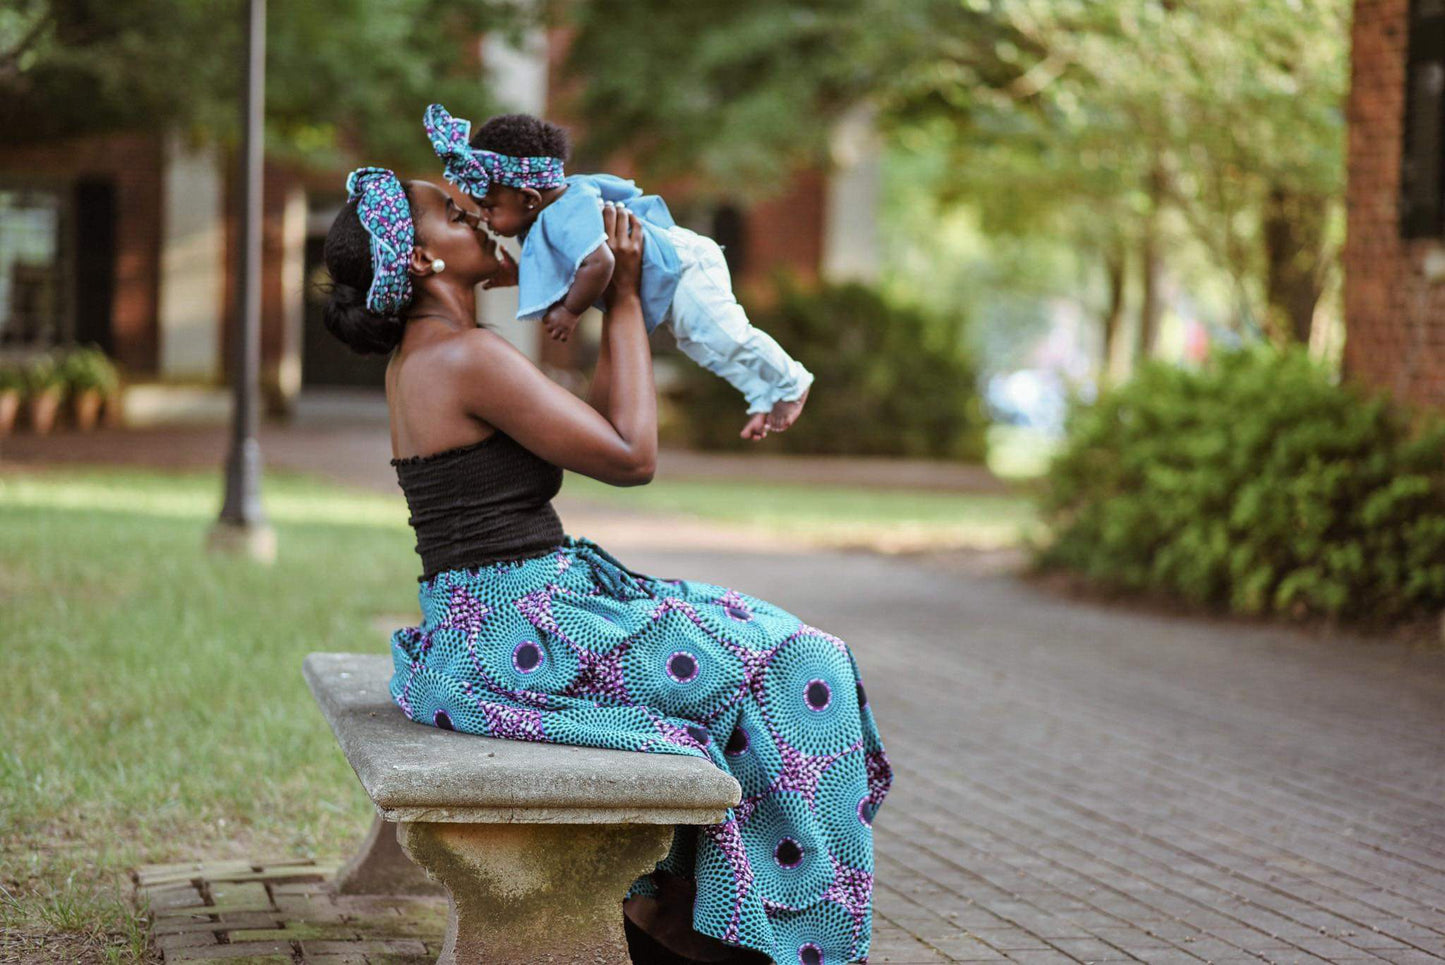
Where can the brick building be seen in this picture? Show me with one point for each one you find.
(1395, 245)
(127, 240)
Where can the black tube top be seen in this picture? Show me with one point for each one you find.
(480, 504)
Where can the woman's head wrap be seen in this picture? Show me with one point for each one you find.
(385, 213)
(473, 169)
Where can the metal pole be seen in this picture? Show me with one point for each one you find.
(243, 523)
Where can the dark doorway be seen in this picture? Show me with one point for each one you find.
(94, 263)
(324, 360)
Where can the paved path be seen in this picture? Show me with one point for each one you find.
(1078, 783)
(357, 450)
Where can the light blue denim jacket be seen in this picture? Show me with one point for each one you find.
(685, 284)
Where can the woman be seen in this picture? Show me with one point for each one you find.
(532, 635)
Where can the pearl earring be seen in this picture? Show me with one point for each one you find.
(438, 266)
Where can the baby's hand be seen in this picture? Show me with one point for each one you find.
(784, 414)
(560, 323)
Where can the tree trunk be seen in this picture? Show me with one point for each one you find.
(1151, 306)
(1116, 266)
(1294, 241)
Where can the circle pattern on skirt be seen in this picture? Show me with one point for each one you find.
(787, 851)
(809, 693)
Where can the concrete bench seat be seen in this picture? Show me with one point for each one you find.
(535, 844)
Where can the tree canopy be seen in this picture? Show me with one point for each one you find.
(339, 72)
(1104, 121)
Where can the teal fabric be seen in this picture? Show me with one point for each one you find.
(574, 648)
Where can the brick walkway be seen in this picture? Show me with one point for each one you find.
(282, 912)
(1076, 783)
(356, 451)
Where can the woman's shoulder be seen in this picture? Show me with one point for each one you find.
(460, 353)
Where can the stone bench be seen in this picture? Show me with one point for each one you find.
(535, 844)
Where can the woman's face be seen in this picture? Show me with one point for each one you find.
(444, 230)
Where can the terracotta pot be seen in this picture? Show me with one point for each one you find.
(86, 405)
(44, 407)
(9, 410)
(114, 410)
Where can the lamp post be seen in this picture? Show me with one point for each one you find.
(242, 527)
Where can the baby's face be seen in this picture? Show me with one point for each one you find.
(508, 211)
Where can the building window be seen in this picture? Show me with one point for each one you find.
(34, 313)
(1422, 167)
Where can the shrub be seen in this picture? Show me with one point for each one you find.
(887, 381)
(12, 378)
(1254, 484)
(89, 368)
(42, 374)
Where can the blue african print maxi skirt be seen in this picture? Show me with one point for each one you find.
(572, 647)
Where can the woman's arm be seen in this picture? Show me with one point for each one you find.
(615, 441)
(601, 385)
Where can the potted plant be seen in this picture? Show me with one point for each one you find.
(92, 379)
(12, 390)
(45, 390)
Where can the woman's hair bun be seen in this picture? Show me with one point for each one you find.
(362, 331)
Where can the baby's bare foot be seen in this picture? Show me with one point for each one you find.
(784, 414)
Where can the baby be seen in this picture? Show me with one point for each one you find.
(512, 168)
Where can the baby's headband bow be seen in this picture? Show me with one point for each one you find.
(473, 170)
(385, 213)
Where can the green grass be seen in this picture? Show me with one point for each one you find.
(1019, 453)
(155, 709)
(886, 519)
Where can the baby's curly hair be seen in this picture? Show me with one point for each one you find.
(522, 135)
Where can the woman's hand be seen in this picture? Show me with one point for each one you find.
(506, 276)
(624, 239)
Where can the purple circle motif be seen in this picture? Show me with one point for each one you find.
(737, 744)
(818, 695)
(865, 812)
(862, 695)
(738, 613)
(443, 720)
(527, 657)
(682, 666)
(699, 734)
(810, 954)
(788, 853)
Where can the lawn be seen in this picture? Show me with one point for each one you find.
(156, 710)
(155, 706)
(890, 520)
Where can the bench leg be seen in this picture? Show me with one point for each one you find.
(380, 867)
(531, 893)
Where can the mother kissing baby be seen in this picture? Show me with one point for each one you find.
(527, 633)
